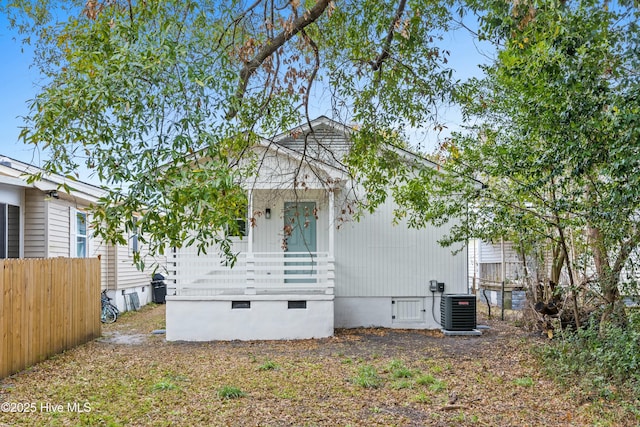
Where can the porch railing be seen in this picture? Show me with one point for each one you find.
(253, 273)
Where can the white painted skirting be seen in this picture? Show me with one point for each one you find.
(357, 312)
(211, 318)
(145, 295)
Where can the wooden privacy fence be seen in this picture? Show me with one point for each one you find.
(46, 307)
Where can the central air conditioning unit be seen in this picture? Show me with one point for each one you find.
(458, 312)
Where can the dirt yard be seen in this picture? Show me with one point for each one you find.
(360, 377)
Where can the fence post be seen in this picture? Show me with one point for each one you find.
(502, 300)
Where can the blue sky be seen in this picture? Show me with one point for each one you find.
(19, 85)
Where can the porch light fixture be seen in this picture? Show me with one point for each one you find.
(267, 213)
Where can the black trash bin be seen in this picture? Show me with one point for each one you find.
(159, 288)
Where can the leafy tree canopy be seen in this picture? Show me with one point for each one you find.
(557, 140)
(138, 91)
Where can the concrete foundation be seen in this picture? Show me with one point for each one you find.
(249, 317)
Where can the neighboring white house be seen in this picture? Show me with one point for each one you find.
(305, 267)
(41, 220)
(491, 264)
(490, 261)
(495, 259)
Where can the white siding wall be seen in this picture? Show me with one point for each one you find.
(58, 230)
(382, 271)
(490, 261)
(60, 222)
(376, 258)
(489, 253)
(279, 171)
(34, 224)
(98, 249)
(118, 271)
(128, 274)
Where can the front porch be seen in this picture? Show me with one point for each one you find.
(256, 273)
(264, 296)
(281, 285)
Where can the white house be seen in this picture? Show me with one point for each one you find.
(491, 264)
(41, 220)
(305, 267)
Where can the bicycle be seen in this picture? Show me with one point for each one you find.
(109, 312)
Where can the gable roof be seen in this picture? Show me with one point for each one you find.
(15, 172)
(296, 137)
(305, 128)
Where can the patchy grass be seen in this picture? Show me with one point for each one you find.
(230, 392)
(164, 385)
(438, 386)
(422, 397)
(269, 365)
(399, 370)
(400, 384)
(367, 377)
(523, 382)
(426, 379)
(420, 378)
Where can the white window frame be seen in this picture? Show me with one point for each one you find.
(134, 242)
(74, 234)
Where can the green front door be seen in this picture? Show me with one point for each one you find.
(300, 236)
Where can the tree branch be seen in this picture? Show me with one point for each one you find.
(312, 77)
(271, 46)
(626, 248)
(375, 65)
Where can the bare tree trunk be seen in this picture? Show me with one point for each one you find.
(609, 276)
(557, 262)
(563, 244)
(574, 298)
